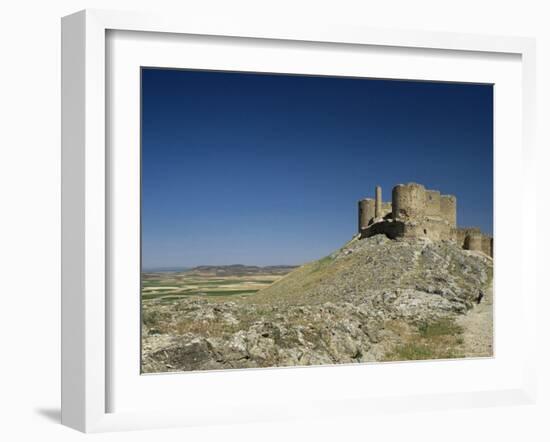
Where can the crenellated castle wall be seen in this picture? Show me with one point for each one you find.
(417, 212)
(433, 203)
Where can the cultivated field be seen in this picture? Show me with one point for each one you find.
(209, 282)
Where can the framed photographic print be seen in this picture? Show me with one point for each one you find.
(273, 222)
(243, 168)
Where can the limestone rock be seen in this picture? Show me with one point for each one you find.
(331, 311)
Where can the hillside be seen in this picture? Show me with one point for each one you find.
(373, 300)
(377, 263)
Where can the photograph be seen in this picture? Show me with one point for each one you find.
(275, 221)
(304, 220)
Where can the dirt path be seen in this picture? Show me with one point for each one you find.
(478, 328)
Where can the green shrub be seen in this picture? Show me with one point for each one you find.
(443, 327)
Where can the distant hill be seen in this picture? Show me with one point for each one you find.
(241, 270)
(167, 269)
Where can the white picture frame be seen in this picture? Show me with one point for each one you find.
(86, 315)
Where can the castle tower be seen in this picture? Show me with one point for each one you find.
(408, 201)
(486, 245)
(419, 213)
(366, 212)
(474, 241)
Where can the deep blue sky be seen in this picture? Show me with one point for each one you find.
(267, 169)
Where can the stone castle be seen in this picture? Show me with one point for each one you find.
(417, 212)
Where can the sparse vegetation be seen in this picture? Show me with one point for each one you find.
(372, 300)
(437, 340)
(322, 263)
(153, 318)
(443, 327)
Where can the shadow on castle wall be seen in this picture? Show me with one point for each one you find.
(417, 212)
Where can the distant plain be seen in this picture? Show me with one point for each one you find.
(208, 282)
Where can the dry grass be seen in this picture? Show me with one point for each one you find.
(438, 340)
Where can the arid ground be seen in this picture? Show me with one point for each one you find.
(372, 300)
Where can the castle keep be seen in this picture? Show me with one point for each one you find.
(417, 212)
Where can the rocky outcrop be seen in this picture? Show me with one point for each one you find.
(335, 310)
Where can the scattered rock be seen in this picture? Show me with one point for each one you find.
(330, 311)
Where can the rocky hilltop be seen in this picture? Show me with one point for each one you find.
(375, 299)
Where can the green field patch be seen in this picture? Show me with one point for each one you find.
(195, 281)
(150, 296)
(158, 283)
(162, 289)
(218, 282)
(227, 292)
(172, 298)
(218, 292)
(149, 282)
(172, 288)
(159, 293)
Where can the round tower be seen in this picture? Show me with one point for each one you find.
(408, 201)
(474, 241)
(366, 212)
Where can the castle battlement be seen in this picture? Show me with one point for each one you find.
(417, 212)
